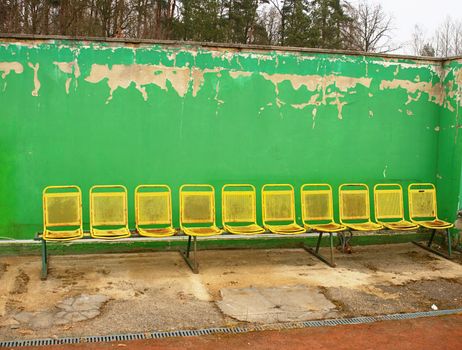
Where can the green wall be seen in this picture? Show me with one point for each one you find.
(89, 113)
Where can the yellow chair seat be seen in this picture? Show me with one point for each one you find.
(245, 229)
(365, 226)
(435, 224)
(402, 225)
(122, 232)
(62, 235)
(156, 232)
(289, 229)
(202, 231)
(330, 227)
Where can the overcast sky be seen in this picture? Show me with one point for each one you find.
(426, 13)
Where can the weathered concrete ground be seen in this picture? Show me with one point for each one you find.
(119, 293)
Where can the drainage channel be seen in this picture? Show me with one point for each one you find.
(228, 330)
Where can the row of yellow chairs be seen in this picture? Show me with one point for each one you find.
(62, 210)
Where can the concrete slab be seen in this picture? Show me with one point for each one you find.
(277, 304)
(156, 291)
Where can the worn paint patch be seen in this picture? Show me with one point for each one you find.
(321, 84)
(71, 68)
(35, 68)
(197, 77)
(317, 82)
(239, 74)
(434, 91)
(312, 102)
(313, 113)
(8, 67)
(122, 76)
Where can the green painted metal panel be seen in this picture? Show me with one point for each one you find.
(449, 157)
(89, 113)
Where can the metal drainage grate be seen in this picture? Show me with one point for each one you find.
(232, 330)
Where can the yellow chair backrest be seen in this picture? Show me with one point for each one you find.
(354, 202)
(278, 203)
(153, 205)
(317, 202)
(108, 206)
(62, 206)
(388, 201)
(238, 203)
(422, 200)
(197, 204)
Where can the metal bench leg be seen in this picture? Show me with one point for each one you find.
(429, 248)
(44, 274)
(315, 252)
(449, 242)
(344, 244)
(192, 263)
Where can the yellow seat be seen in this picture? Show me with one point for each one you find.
(278, 209)
(153, 211)
(354, 208)
(239, 209)
(62, 213)
(108, 212)
(317, 208)
(423, 208)
(389, 209)
(197, 210)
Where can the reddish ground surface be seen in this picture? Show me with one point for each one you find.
(424, 333)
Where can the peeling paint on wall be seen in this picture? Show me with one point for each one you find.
(434, 91)
(238, 74)
(70, 68)
(35, 68)
(321, 84)
(121, 76)
(8, 67)
(317, 82)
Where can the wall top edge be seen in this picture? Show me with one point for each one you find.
(221, 46)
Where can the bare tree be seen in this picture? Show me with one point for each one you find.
(418, 40)
(370, 28)
(448, 38)
(420, 44)
(270, 18)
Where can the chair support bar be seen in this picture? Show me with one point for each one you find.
(315, 252)
(44, 273)
(192, 263)
(428, 245)
(344, 241)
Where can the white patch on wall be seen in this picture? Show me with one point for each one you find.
(35, 68)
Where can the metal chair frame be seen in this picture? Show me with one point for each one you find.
(123, 231)
(288, 229)
(249, 222)
(165, 193)
(435, 224)
(62, 234)
(194, 232)
(396, 220)
(329, 226)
